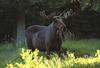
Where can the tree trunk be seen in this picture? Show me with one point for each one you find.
(21, 29)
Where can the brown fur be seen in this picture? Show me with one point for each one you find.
(46, 38)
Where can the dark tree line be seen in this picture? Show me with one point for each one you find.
(12, 11)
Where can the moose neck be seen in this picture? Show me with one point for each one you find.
(53, 29)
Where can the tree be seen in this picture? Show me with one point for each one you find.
(16, 10)
(19, 10)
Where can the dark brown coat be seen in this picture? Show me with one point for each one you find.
(45, 38)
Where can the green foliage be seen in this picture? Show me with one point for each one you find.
(9, 52)
(33, 60)
(93, 4)
(14, 8)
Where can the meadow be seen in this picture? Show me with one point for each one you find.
(80, 54)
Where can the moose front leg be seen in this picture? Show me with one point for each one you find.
(58, 47)
(29, 43)
(58, 50)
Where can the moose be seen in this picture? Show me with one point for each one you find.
(47, 38)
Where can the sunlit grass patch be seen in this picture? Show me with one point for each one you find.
(81, 47)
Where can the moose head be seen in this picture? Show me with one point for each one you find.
(57, 19)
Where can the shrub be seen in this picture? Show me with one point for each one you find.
(33, 60)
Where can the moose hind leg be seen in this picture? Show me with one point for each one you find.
(30, 45)
(48, 52)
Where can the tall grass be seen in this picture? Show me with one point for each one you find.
(9, 52)
(33, 60)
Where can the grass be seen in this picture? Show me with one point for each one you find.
(9, 53)
(81, 47)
